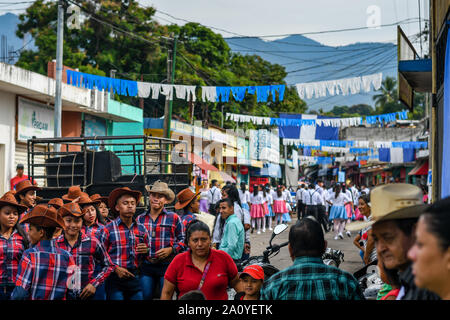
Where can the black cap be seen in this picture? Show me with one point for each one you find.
(19, 166)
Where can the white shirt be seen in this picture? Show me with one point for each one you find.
(258, 199)
(355, 194)
(299, 194)
(287, 196)
(365, 190)
(322, 193)
(214, 195)
(269, 199)
(275, 196)
(341, 200)
(244, 196)
(312, 197)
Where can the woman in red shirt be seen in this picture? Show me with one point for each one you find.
(200, 268)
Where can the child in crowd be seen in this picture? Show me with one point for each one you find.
(252, 279)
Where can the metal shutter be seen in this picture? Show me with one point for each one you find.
(21, 156)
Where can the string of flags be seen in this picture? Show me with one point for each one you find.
(186, 92)
(333, 122)
(357, 144)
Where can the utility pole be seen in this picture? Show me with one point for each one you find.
(171, 56)
(59, 69)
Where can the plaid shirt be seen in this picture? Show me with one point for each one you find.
(87, 253)
(187, 218)
(11, 251)
(310, 279)
(167, 231)
(120, 243)
(44, 271)
(96, 230)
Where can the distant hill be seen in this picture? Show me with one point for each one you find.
(8, 27)
(307, 60)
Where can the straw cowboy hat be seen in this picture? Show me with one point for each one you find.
(73, 193)
(56, 202)
(23, 187)
(392, 202)
(8, 199)
(98, 197)
(44, 216)
(70, 209)
(161, 188)
(118, 192)
(185, 197)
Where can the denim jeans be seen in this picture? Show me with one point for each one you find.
(100, 293)
(151, 275)
(123, 289)
(5, 292)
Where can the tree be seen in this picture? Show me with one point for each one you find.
(388, 93)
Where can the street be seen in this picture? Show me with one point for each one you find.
(352, 260)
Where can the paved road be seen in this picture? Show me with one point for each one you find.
(352, 260)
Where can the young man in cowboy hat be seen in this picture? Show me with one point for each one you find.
(395, 211)
(166, 232)
(73, 193)
(89, 254)
(127, 243)
(44, 270)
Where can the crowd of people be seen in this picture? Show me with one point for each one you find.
(83, 246)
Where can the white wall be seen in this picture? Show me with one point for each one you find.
(7, 137)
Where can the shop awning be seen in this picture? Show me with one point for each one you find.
(199, 162)
(420, 169)
(221, 176)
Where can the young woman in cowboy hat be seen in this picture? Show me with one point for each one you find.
(102, 207)
(89, 254)
(44, 270)
(93, 223)
(13, 242)
(26, 194)
(189, 204)
(127, 243)
(166, 232)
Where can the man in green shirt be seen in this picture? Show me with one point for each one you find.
(309, 278)
(233, 237)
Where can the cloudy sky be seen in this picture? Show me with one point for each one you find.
(268, 17)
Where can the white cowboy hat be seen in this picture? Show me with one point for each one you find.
(161, 188)
(391, 202)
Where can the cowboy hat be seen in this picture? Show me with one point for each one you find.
(44, 216)
(73, 193)
(23, 187)
(392, 202)
(8, 199)
(56, 202)
(70, 209)
(86, 200)
(161, 188)
(184, 198)
(118, 192)
(98, 197)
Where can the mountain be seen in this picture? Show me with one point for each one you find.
(8, 27)
(307, 60)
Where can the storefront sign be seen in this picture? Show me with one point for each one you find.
(244, 170)
(34, 119)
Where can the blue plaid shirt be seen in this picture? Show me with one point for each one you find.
(43, 274)
(310, 279)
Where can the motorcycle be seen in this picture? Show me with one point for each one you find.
(332, 257)
(369, 280)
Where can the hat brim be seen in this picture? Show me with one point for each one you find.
(25, 190)
(20, 208)
(43, 221)
(251, 275)
(181, 205)
(168, 193)
(93, 202)
(403, 213)
(116, 194)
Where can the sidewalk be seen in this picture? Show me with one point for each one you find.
(352, 260)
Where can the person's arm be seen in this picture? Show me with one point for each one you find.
(167, 290)
(235, 283)
(356, 242)
(370, 245)
(179, 245)
(24, 277)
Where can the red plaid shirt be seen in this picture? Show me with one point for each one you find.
(87, 253)
(167, 231)
(44, 272)
(11, 251)
(96, 230)
(120, 242)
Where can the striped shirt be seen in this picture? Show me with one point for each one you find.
(310, 279)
